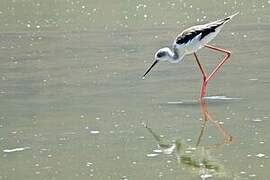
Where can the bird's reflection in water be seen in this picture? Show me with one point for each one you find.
(207, 118)
(197, 158)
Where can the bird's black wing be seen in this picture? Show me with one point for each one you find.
(190, 33)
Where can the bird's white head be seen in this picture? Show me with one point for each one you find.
(164, 54)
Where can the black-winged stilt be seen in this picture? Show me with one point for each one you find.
(189, 42)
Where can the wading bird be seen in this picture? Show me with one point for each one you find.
(189, 42)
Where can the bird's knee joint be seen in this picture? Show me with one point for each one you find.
(228, 53)
(204, 78)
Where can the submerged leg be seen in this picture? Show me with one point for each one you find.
(205, 120)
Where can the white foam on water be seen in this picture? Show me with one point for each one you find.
(257, 120)
(94, 132)
(15, 149)
(176, 102)
(157, 150)
(182, 102)
(152, 155)
(253, 79)
(206, 176)
(221, 98)
(260, 155)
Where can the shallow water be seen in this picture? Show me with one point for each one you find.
(73, 104)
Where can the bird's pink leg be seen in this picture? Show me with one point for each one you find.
(226, 57)
(204, 76)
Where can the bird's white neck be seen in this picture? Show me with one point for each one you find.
(175, 56)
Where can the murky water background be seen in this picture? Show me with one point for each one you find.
(73, 104)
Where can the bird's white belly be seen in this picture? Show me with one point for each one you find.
(193, 47)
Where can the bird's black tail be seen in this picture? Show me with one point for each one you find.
(230, 17)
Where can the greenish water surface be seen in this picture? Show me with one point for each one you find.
(73, 104)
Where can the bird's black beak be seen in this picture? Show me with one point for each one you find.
(148, 70)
